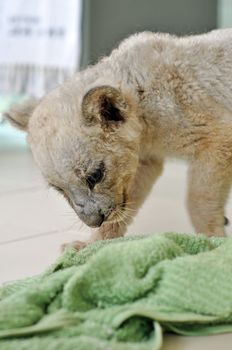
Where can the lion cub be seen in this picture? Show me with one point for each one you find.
(101, 138)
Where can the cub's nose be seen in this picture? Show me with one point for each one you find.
(92, 219)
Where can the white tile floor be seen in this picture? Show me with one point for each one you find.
(35, 221)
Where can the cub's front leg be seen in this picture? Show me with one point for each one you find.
(147, 173)
(209, 184)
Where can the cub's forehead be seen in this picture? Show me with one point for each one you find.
(59, 146)
(55, 110)
(64, 153)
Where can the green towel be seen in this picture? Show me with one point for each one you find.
(122, 294)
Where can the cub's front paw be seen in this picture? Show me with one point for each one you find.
(78, 245)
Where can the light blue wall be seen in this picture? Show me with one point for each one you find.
(224, 13)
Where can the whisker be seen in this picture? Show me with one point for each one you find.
(120, 223)
(130, 209)
(130, 202)
(129, 214)
(122, 216)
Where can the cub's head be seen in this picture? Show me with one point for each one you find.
(86, 145)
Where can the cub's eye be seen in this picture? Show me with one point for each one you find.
(95, 177)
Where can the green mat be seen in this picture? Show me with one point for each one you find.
(122, 294)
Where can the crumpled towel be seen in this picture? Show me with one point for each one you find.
(122, 294)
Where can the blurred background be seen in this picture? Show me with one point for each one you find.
(42, 43)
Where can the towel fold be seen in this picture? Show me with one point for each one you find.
(122, 294)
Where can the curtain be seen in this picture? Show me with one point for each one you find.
(40, 44)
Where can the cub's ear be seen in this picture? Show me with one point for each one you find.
(19, 114)
(105, 105)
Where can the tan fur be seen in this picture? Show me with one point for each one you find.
(154, 97)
